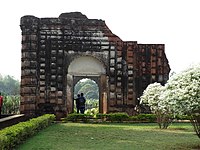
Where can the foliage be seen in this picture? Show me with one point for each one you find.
(16, 134)
(143, 118)
(74, 117)
(91, 93)
(183, 94)
(120, 136)
(88, 87)
(92, 111)
(152, 97)
(114, 117)
(183, 91)
(117, 117)
(182, 117)
(101, 116)
(180, 96)
(92, 103)
(91, 106)
(11, 104)
(9, 86)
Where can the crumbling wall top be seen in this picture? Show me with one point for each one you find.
(29, 19)
(75, 18)
(73, 15)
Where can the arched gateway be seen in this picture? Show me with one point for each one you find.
(58, 52)
(87, 67)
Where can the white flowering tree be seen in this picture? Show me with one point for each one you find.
(183, 94)
(152, 97)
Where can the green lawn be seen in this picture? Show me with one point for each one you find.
(79, 136)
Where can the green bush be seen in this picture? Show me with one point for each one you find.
(183, 117)
(144, 118)
(112, 117)
(117, 117)
(147, 117)
(92, 111)
(13, 135)
(133, 118)
(11, 104)
(101, 116)
(74, 117)
(152, 117)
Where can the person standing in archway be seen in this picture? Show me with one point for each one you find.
(1, 103)
(82, 101)
(77, 103)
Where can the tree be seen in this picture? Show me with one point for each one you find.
(91, 93)
(183, 94)
(11, 105)
(9, 85)
(88, 87)
(9, 88)
(152, 97)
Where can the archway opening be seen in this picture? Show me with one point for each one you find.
(86, 67)
(90, 89)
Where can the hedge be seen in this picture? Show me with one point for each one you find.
(112, 117)
(16, 134)
(74, 117)
(115, 117)
(143, 118)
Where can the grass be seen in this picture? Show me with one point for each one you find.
(75, 136)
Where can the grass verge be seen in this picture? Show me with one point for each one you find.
(73, 136)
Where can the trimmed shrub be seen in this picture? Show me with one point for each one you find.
(101, 116)
(144, 118)
(147, 117)
(133, 118)
(117, 117)
(183, 117)
(13, 135)
(74, 117)
(111, 117)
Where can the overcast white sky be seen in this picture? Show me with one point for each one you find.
(175, 23)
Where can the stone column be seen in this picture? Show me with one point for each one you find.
(29, 79)
(69, 102)
(105, 103)
(103, 93)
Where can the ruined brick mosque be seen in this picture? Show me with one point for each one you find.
(58, 52)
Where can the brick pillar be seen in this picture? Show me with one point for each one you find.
(103, 94)
(131, 67)
(29, 80)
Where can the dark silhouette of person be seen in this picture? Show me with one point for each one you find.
(1, 103)
(82, 101)
(77, 103)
